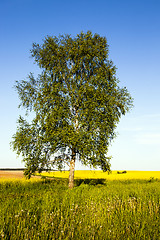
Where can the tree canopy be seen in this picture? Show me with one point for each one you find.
(77, 104)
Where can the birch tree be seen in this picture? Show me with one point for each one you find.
(77, 103)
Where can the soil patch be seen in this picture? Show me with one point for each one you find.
(14, 174)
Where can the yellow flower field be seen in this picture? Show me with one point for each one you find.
(100, 174)
(88, 174)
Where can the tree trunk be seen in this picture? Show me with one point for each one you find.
(72, 168)
(73, 159)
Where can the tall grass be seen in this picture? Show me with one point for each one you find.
(47, 209)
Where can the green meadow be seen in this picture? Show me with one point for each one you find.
(94, 209)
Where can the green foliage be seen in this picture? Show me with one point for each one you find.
(152, 179)
(117, 210)
(77, 104)
(118, 172)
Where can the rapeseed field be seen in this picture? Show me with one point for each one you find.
(114, 175)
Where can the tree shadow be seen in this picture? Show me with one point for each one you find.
(77, 182)
(90, 181)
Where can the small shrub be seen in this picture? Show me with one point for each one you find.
(152, 179)
(121, 172)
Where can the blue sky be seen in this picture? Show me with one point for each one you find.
(132, 29)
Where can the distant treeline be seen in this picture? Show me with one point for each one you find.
(22, 169)
(12, 169)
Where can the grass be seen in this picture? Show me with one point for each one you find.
(94, 209)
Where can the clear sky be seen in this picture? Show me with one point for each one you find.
(132, 29)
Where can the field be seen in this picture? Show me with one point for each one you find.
(101, 206)
(13, 175)
(104, 175)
